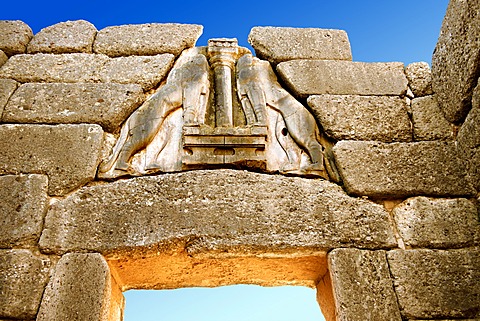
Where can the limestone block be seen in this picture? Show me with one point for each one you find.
(316, 77)
(68, 154)
(225, 210)
(281, 44)
(23, 208)
(79, 289)
(7, 87)
(147, 71)
(76, 67)
(400, 170)
(456, 59)
(419, 77)
(362, 285)
(146, 39)
(23, 277)
(380, 118)
(105, 104)
(14, 36)
(469, 140)
(429, 123)
(437, 223)
(437, 284)
(3, 58)
(64, 37)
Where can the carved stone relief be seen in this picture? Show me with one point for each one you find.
(219, 107)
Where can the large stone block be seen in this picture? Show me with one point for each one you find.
(362, 285)
(147, 71)
(105, 104)
(7, 87)
(400, 170)
(23, 208)
(68, 154)
(3, 58)
(14, 36)
(380, 118)
(438, 223)
(23, 277)
(80, 289)
(146, 39)
(456, 59)
(316, 77)
(429, 123)
(281, 44)
(64, 37)
(419, 77)
(224, 210)
(437, 284)
(76, 67)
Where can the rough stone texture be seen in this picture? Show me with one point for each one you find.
(68, 154)
(146, 71)
(14, 36)
(362, 285)
(281, 44)
(105, 104)
(221, 210)
(78, 290)
(3, 58)
(146, 39)
(399, 170)
(315, 77)
(64, 37)
(469, 140)
(23, 208)
(7, 87)
(428, 120)
(419, 77)
(437, 284)
(380, 118)
(437, 223)
(456, 59)
(76, 67)
(23, 277)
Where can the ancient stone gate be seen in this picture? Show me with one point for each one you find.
(131, 159)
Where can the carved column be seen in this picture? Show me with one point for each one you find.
(222, 54)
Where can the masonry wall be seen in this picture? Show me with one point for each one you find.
(394, 236)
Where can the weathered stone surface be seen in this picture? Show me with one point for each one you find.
(281, 44)
(68, 154)
(429, 123)
(14, 36)
(3, 58)
(437, 223)
(380, 118)
(146, 39)
(362, 285)
(419, 77)
(437, 284)
(23, 277)
(315, 77)
(76, 67)
(146, 71)
(469, 140)
(456, 59)
(23, 208)
(105, 104)
(79, 289)
(7, 87)
(401, 169)
(224, 210)
(64, 37)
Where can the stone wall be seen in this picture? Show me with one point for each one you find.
(395, 237)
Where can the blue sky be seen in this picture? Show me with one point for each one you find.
(379, 30)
